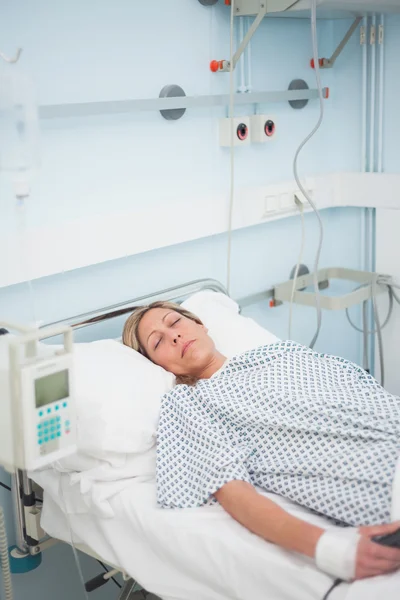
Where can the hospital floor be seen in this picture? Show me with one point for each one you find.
(143, 596)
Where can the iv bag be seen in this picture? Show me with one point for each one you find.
(19, 124)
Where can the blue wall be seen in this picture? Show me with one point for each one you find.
(102, 50)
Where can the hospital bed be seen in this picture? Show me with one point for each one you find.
(195, 554)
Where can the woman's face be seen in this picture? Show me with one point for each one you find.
(176, 343)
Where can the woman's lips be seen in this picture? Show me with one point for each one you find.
(186, 347)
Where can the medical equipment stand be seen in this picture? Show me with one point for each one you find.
(281, 292)
(368, 286)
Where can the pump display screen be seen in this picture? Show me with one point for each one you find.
(51, 388)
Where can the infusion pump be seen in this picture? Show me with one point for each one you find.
(37, 409)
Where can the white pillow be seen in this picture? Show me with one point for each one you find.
(232, 333)
(118, 394)
(118, 391)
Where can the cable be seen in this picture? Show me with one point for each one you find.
(106, 570)
(334, 585)
(295, 167)
(24, 257)
(232, 151)
(6, 487)
(381, 280)
(296, 272)
(78, 565)
(5, 562)
(379, 335)
(386, 321)
(395, 296)
(365, 336)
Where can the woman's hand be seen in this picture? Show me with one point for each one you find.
(375, 559)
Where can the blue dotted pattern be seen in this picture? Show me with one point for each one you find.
(311, 427)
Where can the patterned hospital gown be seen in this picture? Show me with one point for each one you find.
(313, 428)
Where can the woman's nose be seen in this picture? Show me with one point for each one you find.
(176, 338)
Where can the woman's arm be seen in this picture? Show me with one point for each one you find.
(268, 520)
(344, 553)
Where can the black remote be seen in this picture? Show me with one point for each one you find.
(390, 539)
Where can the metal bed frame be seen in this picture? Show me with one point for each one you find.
(30, 538)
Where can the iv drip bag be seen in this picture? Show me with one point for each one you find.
(19, 126)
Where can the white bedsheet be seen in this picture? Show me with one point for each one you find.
(195, 554)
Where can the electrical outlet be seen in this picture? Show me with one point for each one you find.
(241, 132)
(287, 201)
(263, 128)
(271, 205)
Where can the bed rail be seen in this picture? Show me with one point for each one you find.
(173, 294)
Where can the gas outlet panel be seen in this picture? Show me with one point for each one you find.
(241, 132)
(263, 128)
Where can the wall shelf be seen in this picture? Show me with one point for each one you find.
(87, 109)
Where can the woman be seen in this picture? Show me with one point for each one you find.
(311, 427)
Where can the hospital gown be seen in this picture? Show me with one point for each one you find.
(311, 427)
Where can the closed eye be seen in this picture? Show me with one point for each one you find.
(161, 338)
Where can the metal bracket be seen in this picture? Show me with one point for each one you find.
(283, 291)
(327, 63)
(245, 7)
(261, 14)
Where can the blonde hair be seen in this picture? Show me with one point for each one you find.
(130, 334)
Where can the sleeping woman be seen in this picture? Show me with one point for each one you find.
(311, 427)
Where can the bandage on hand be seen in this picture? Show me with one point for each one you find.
(336, 552)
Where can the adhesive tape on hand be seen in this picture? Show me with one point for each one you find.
(336, 552)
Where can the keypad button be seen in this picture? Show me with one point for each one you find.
(52, 428)
(40, 442)
(39, 426)
(57, 407)
(52, 436)
(58, 427)
(67, 431)
(48, 411)
(46, 439)
(52, 421)
(58, 419)
(58, 434)
(40, 413)
(67, 423)
(65, 404)
(46, 431)
(40, 434)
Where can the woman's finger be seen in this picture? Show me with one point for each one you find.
(379, 552)
(364, 572)
(374, 559)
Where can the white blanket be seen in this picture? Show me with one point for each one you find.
(194, 554)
